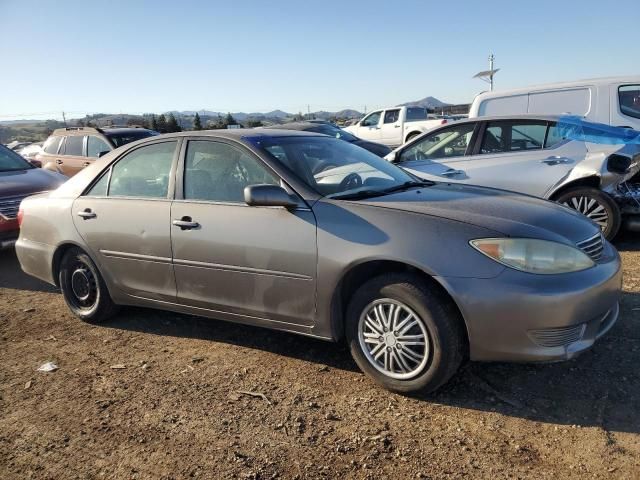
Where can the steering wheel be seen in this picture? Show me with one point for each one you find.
(351, 181)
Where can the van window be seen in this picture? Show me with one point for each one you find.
(510, 105)
(629, 98)
(576, 101)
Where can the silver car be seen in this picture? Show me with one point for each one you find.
(528, 154)
(301, 232)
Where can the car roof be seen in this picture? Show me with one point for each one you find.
(104, 130)
(240, 133)
(527, 116)
(296, 126)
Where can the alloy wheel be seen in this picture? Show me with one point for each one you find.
(394, 339)
(590, 208)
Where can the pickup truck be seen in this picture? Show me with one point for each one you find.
(394, 126)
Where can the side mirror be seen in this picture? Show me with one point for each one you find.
(103, 153)
(393, 157)
(268, 196)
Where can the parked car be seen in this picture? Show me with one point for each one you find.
(395, 126)
(527, 154)
(18, 179)
(16, 145)
(613, 101)
(69, 150)
(30, 152)
(234, 225)
(337, 132)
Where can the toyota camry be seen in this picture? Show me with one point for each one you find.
(301, 232)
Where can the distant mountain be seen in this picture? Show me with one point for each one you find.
(426, 102)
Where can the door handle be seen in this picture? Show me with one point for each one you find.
(185, 223)
(59, 162)
(556, 160)
(396, 126)
(451, 172)
(87, 214)
(86, 164)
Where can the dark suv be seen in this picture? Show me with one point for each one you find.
(69, 150)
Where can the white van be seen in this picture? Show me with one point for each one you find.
(613, 101)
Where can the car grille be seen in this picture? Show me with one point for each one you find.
(558, 337)
(9, 207)
(593, 246)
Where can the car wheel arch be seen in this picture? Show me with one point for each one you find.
(358, 274)
(593, 181)
(57, 258)
(411, 135)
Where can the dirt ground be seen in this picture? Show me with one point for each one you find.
(176, 409)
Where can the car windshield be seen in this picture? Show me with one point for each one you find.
(336, 169)
(122, 138)
(334, 132)
(11, 161)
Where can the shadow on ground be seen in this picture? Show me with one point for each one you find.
(601, 388)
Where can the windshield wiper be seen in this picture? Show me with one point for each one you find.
(408, 185)
(359, 194)
(384, 191)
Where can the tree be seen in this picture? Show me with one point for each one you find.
(162, 124)
(218, 124)
(197, 124)
(154, 122)
(254, 123)
(172, 124)
(229, 120)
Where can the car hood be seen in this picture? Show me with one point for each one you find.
(27, 182)
(508, 213)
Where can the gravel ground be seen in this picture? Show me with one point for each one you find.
(191, 397)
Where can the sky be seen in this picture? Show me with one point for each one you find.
(255, 56)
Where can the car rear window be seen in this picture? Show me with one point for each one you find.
(415, 114)
(122, 138)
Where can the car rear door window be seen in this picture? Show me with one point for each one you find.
(51, 145)
(73, 146)
(96, 146)
(391, 116)
(219, 172)
(508, 136)
(553, 136)
(143, 173)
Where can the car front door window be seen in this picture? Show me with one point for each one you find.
(218, 172)
(372, 120)
(446, 143)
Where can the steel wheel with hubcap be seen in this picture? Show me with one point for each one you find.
(83, 288)
(405, 332)
(596, 205)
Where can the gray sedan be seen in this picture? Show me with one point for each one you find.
(301, 232)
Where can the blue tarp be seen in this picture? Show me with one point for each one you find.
(577, 128)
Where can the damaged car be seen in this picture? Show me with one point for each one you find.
(582, 165)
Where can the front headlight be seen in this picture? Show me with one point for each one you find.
(533, 256)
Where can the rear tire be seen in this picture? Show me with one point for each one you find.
(411, 136)
(418, 354)
(83, 288)
(595, 205)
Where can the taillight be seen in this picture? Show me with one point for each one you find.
(444, 120)
(20, 215)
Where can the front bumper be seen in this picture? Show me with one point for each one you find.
(524, 317)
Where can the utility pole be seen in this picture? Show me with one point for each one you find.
(487, 75)
(64, 119)
(491, 59)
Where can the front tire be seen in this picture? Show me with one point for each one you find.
(595, 205)
(83, 288)
(404, 335)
